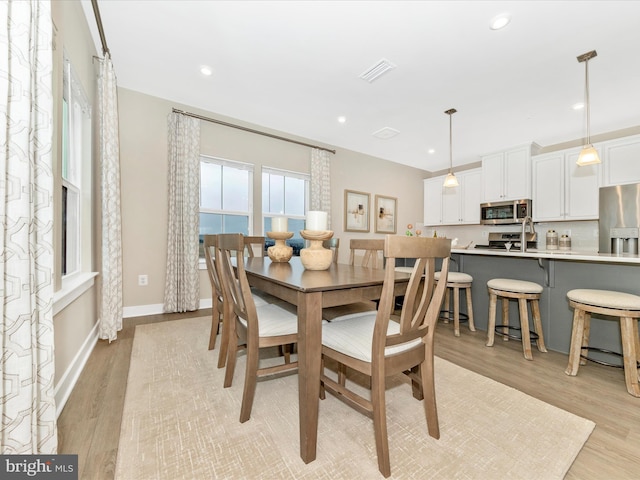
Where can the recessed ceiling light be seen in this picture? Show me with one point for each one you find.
(431, 151)
(500, 21)
(578, 106)
(342, 119)
(204, 70)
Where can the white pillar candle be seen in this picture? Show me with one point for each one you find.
(316, 221)
(279, 224)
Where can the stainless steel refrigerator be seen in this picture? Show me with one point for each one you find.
(619, 219)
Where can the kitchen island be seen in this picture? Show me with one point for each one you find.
(557, 271)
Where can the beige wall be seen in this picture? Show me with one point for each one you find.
(143, 150)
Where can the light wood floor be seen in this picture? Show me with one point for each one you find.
(89, 425)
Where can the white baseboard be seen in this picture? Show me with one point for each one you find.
(155, 309)
(68, 380)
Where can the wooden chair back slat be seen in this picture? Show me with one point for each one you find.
(371, 248)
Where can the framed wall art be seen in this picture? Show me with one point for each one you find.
(356, 211)
(386, 213)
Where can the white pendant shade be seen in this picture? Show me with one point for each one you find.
(588, 156)
(450, 180)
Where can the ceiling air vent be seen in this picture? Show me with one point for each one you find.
(386, 133)
(378, 69)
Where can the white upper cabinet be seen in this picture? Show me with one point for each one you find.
(621, 161)
(506, 175)
(454, 205)
(433, 201)
(562, 190)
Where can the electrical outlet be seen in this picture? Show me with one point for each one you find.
(143, 280)
(485, 234)
(567, 232)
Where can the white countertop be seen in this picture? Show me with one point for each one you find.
(573, 255)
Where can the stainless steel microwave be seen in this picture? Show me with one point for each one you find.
(503, 213)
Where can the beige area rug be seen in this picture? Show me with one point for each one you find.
(179, 423)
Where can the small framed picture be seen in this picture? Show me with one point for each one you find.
(385, 214)
(356, 211)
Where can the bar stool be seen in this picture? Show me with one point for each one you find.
(626, 307)
(522, 291)
(455, 282)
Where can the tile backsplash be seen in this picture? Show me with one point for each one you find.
(584, 234)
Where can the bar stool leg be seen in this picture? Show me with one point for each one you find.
(629, 354)
(493, 299)
(524, 328)
(467, 293)
(537, 325)
(447, 303)
(456, 311)
(577, 338)
(637, 342)
(505, 319)
(586, 329)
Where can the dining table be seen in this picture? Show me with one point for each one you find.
(311, 291)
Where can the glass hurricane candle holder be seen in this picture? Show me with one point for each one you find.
(316, 257)
(280, 252)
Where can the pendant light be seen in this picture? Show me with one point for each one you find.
(450, 180)
(588, 155)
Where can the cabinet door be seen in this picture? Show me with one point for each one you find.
(517, 174)
(492, 177)
(471, 197)
(621, 160)
(433, 201)
(451, 197)
(548, 187)
(582, 188)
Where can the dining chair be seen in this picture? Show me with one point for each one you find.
(367, 251)
(378, 346)
(333, 244)
(255, 246)
(370, 249)
(210, 242)
(251, 327)
(217, 301)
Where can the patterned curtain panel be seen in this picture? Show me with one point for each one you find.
(110, 300)
(182, 287)
(26, 209)
(321, 182)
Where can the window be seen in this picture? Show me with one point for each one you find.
(76, 172)
(226, 197)
(285, 194)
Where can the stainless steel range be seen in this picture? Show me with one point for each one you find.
(498, 240)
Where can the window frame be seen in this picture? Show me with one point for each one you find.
(250, 168)
(286, 173)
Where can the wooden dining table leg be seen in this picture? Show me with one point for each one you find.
(309, 360)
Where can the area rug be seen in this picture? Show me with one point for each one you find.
(179, 423)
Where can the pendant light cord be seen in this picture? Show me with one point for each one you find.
(586, 76)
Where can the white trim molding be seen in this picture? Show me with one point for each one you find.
(68, 380)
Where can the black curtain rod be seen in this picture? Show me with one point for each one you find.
(96, 13)
(251, 130)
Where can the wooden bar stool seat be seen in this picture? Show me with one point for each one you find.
(455, 282)
(626, 307)
(523, 292)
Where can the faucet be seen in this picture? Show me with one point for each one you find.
(523, 237)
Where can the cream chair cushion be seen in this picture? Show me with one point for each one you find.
(518, 286)
(274, 320)
(456, 277)
(605, 298)
(353, 335)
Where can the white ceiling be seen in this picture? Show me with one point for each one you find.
(294, 66)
